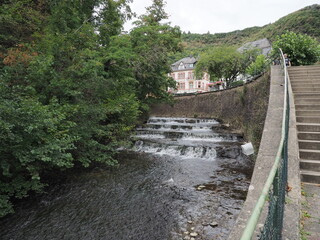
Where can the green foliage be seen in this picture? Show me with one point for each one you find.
(19, 20)
(305, 21)
(300, 48)
(258, 66)
(70, 95)
(152, 42)
(221, 63)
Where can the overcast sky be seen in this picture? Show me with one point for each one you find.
(216, 16)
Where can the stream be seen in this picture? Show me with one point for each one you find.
(184, 177)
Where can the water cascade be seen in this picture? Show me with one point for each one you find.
(182, 137)
(185, 177)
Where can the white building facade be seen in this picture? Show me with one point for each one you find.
(183, 72)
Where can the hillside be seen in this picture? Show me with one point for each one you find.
(306, 20)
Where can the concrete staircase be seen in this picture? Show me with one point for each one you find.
(305, 82)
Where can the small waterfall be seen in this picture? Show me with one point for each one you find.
(181, 137)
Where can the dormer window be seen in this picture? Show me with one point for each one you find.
(191, 65)
(181, 66)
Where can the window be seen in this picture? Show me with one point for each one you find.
(199, 84)
(190, 85)
(181, 66)
(181, 75)
(189, 75)
(182, 86)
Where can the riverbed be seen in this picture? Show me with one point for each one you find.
(195, 187)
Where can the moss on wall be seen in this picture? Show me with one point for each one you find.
(243, 108)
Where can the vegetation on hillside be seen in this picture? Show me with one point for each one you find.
(72, 86)
(305, 21)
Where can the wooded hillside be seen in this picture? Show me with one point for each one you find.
(306, 21)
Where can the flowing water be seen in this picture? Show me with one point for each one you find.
(181, 176)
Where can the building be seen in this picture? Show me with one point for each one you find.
(263, 44)
(183, 72)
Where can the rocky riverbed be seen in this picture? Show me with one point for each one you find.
(189, 185)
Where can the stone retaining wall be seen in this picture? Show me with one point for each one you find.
(243, 108)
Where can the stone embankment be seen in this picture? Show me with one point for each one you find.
(242, 108)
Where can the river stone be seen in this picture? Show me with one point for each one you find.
(213, 224)
(190, 222)
(193, 234)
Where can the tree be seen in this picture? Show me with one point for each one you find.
(258, 66)
(72, 86)
(300, 48)
(221, 63)
(67, 97)
(152, 42)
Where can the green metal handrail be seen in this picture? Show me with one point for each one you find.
(281, 154)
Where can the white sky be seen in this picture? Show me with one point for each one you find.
(217, 16)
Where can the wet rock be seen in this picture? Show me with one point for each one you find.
(186, 233)
(190, 222)
(194, 234)
(192, 229)
(213, 224)
(186, 238)
(231, 152)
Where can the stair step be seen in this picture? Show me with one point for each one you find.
(307, 107)
(307, 113)
(304, 81)
(306, 95)
(309, 154)
(306, 78)
(307, 100)
(298, 89)
(308, 127)
(310, 176)
(308, 119)
(297, 86)
(309, 144)
(310, 165)
(309, 136)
